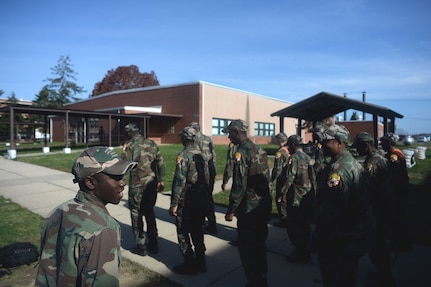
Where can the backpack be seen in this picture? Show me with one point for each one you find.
(17, 254)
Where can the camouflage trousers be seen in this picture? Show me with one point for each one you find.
(210, 212)
(281, 206)
(141, 204)
(189, 222)
(252, 234)
(299, 220)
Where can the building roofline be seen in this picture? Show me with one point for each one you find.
(247, 92)
(136, 90)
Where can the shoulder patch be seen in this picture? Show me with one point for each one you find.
(394, 157)
(369, 167)
(334, 180)
(285, 149)
(278, 154)
(238, 157)
(179, 160)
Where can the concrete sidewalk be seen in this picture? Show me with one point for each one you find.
(41, 189)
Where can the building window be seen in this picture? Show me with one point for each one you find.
(264, 129)
(218, 125)
(172, 129)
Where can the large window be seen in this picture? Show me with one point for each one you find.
(218, 125)
(264, 129)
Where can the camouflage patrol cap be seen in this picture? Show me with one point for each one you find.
(281, 136)
(131, 127)
(238, 125)
(188, 133)
(391, 137)
(294, 139)
(195, 125)
(99, 159)
(335, 132)
(362, 137)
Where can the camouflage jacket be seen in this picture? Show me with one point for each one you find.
(344, 212)
(80, 245)
(147, 154)
(377, 170)
(250, 178)
(191, 179)
(206, 145)
(299, 177)
(398, 174)
(280, 161)
(227, 174)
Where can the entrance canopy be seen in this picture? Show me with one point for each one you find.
(324, 105)
(142, 118)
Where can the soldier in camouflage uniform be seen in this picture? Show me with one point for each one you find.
(80, 241)
(189, 201)
(319, 159)
(377, 171)
(206, 145)
(144, 181)
(344, 221)
(298, 191)
(227, 174)
(278, 176)
(250, 201)
(399, 179)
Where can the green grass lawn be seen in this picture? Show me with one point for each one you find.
(18, 224)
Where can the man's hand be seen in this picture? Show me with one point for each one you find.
(173, 211)
(223, 187)
(229, 216)
(160, 186)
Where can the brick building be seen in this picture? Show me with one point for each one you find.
(166, 110)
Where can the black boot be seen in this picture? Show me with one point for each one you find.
(140, 249)
(153, 246)
(188, 267)
(201, 265)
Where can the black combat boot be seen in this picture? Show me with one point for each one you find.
(201, 265)
(188, 267)
(153, 246)
(140, 249)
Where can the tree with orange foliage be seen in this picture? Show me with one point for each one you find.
(123, 78)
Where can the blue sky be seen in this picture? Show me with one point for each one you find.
(288, 50)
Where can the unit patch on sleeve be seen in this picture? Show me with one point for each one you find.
(238, 157)
(334, 180)
(179, 160)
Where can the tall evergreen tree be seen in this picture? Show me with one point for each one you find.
(62, 89)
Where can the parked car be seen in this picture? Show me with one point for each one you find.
(421, 139)
(408, 140)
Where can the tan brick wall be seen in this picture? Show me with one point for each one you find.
(199, 101)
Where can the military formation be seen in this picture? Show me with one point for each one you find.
(331, 204)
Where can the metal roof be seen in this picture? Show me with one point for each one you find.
(324, 105)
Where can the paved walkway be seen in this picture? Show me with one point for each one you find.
(40, 189)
